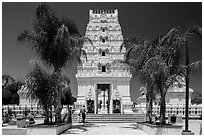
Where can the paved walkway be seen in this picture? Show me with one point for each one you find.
(194, 126)
(105, 129)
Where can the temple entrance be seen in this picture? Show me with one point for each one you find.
(103, 98)
(116, 106)
(90, 105)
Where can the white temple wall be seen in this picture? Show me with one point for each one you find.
(105, 33)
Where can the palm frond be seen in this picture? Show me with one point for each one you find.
(53, 39)
(194, 29)
(40, 86)
(168, 36)
(194, 66)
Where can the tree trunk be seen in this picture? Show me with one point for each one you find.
(162, 109)
(162, 103)
(57, 99)
(50, 113)
(58, 107)
(46, 116)
(149, 96)
(150, 114)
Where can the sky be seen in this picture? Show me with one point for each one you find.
(148, 20)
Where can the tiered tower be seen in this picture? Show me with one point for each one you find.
(103, 82)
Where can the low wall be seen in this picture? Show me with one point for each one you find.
(14, 131)
(40, 129)
(159, 129)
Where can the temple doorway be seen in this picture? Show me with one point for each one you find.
(103, 98)
(116, 106)
(90, 105)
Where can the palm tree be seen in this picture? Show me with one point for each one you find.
(66, 91)
(161, 61)
(185, 39)
(175, 42)
(139, 52)
(156, 62)
(56, 41)
(40, 87)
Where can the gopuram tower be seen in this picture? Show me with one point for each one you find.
(103, 82)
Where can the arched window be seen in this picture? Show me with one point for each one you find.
(103, 40)
(103, 21)
(111, 37)
(110, 27)
(103, 68)
(103, 53)
(97, 28)
(90, 28)
(118, 37)
(103, 29)
(95, 37)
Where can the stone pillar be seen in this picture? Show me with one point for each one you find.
(121, 103)
(104, 109)
(96, 100)
(104, 99)
(111, 99)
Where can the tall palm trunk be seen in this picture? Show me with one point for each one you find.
(46, 115)
(162, 109)
(50, 112)
(150, 101)
(57, 101)
(162, 103)
(151, 107)
(58, 106)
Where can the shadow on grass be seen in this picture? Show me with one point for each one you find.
(80, 128)
(132, 126)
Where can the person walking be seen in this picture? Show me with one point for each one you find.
(83, 114)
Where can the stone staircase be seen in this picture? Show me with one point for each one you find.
(111, 118)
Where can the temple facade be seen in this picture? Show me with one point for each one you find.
(104, 82)
(176, 95)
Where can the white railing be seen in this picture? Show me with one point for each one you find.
(22, 109)
(195, 111)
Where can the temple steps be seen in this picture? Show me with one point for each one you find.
(111, 118)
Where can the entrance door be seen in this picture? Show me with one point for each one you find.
(116, 106)
(103, 98)
(90, 106)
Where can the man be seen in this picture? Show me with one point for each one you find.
(83, 114)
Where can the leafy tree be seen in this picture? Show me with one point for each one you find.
(159, 62)
(67, 98)
(41, 86)
(10, 88)
(196, 98)
(138, 53)
(56, 41)
(7, 79)
(190, 31)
